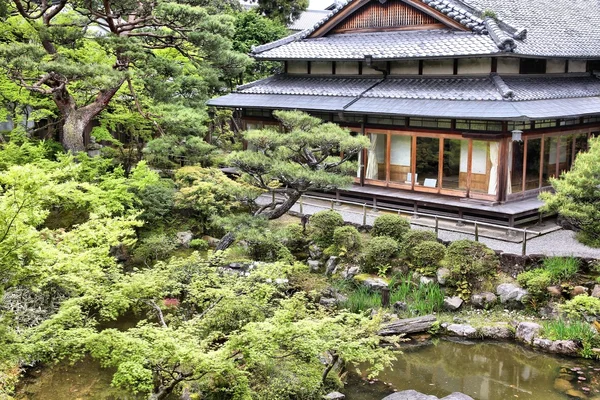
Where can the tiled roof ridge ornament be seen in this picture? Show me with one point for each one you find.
(502, 87)
(459, 14)
(503, 40)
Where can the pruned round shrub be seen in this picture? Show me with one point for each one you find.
(199, 244)
(322, 226)
(293, 237)
(470, 262)
(263, 246)
(379, 253)
(536, 281)
(390, 225)
(581, 307)
(412, 239)
(347, 240)
(427, 257)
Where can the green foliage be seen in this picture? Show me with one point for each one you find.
(412, 239)
(265, 246)
(576, 193)
(561, 268)
(427, 257)
(536, 281)
(207, 193)
(293, 237)
(581, 307)
(362, 299)
(304, 157)
(323, 224)
(157, 201)
(578, 331)
(347, 242)
(421, 299)
(153, 248)
(391, 225)
(379, 252)
(487, 13)
(172, 151)
(199, 244)
(284, 11)
(469, 262)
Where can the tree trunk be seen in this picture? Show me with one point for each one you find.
(226, 241)
(73, 130)
(283, 208)
(334, 359)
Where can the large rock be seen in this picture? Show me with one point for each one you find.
(527, 331)
(596, 291)
(409, 395)
(408, 325)
(334, 396)
(462, 330)
(315, 252)
(579, 291)
(426, 280)
(452, 303)
(511, 294)
(498, 332)
(484, 300)
(315, 265)
(375, 283)
(414, 395)
(554, 291)
(350, 272)
(331, 265)
(184, 238)
(563, 347)
(442, 275)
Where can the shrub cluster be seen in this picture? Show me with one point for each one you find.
(346, 242)
(293, 237)
(427, 257)
(379, 253)
(469, 262)
(264, 246)
(581, 307)
(554, 271)
(199, 244)
(390, 225)
(412, 239)
(322, 226)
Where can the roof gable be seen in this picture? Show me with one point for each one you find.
(372, 15)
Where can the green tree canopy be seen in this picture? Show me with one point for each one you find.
(285, 11)
(81, 55)
(577, 193)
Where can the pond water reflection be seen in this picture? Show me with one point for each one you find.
(484, 371)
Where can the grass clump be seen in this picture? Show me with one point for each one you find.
(573, 330)
(420, 299)
(362, 299)
(561, 268)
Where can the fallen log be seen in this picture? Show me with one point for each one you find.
(408, 325)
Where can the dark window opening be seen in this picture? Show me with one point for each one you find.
(532, 66)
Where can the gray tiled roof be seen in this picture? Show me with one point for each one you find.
(307, 85)
(385, 45)
(494, 97)
(540, 88)
(555, 28)
(436, 88)
(308, 19)
(540, 28)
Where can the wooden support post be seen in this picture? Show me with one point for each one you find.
(364, 215)
(332, 204)
(476, 232)
(437, 226)
(301, 203)
(416, 211)
(375, 204)
(385, 297)
(273, 200)
(337, 198)
(524, 251)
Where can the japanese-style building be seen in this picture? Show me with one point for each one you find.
(471, 106)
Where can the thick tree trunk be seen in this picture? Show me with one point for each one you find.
(73, 130)
(283, 208)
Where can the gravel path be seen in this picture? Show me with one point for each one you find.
(557, 243)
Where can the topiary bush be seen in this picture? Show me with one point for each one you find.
(379, 253)
(581, 307)
(427, 257)
(322, 226)
(390, 225)
(347, 242)
(412, 239)
(264, 246)
(469, 263)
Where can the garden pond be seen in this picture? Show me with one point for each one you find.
(482, 370)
